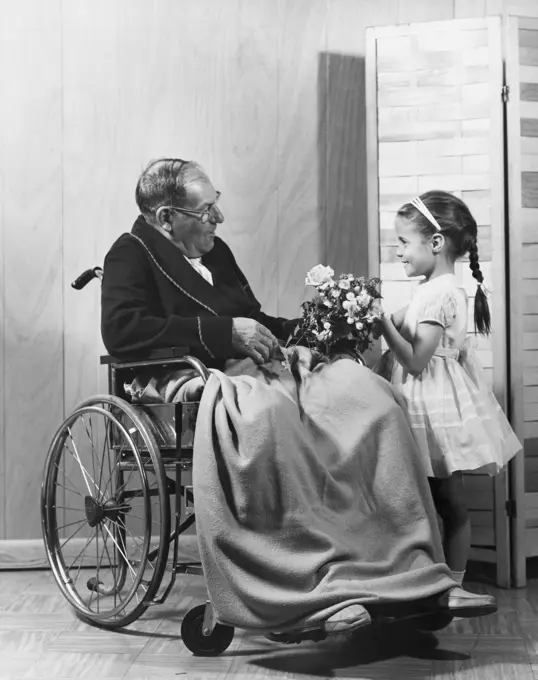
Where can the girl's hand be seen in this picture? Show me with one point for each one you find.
(377, 309)
(379, 312)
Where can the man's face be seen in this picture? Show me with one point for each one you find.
(192, 236)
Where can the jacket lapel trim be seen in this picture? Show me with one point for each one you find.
(172, 281)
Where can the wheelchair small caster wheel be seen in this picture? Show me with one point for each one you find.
(204, 645)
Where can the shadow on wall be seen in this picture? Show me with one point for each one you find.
(343, 180)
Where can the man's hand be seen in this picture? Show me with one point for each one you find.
(251, 339)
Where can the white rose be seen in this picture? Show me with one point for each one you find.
(359, 326)
(344, 284)
(319, 275)
(350, 319)
(327, 326)
(364, 299)
(350, 296)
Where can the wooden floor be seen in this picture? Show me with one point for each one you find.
(41, 638)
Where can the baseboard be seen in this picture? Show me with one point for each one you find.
(30, 553)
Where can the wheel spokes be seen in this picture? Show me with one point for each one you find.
(85, 473)
(104, 505)
(96, 482)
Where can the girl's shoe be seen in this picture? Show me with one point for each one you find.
(464, 604)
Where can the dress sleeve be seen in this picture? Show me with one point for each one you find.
(439, 309)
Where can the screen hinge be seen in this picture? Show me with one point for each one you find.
(505, 93)
(511, 509)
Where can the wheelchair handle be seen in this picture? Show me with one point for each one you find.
(86, 277)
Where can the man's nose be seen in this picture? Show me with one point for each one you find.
(216, 215)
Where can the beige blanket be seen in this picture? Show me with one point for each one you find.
(309, 496)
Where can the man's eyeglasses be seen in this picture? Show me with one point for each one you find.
(202, 215)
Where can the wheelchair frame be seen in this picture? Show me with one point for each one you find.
(200, 631)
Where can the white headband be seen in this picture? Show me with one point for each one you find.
(419, 205)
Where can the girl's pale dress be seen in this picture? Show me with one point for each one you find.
(456, 419)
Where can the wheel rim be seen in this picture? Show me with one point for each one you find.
(100, 495)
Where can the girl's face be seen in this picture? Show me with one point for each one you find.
(414, 249)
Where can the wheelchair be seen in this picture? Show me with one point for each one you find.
(108, 495)
(107, 500)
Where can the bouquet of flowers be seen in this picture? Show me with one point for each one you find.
(341, 315)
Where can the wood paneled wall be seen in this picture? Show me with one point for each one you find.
(31, 254)
(266, 94)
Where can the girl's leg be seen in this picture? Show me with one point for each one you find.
(451, 506)
(449, 499)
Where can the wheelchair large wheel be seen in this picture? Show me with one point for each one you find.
(105, 512)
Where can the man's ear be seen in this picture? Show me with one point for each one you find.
(163, 216)
(438, 241)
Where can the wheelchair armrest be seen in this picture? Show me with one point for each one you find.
(154, 355)
(160, 357)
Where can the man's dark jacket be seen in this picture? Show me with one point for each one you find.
(153, 300)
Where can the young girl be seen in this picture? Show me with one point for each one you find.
(457, 421)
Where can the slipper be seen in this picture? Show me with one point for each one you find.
(343, 621)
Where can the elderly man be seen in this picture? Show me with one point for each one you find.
(173, 282)
(313, 509)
